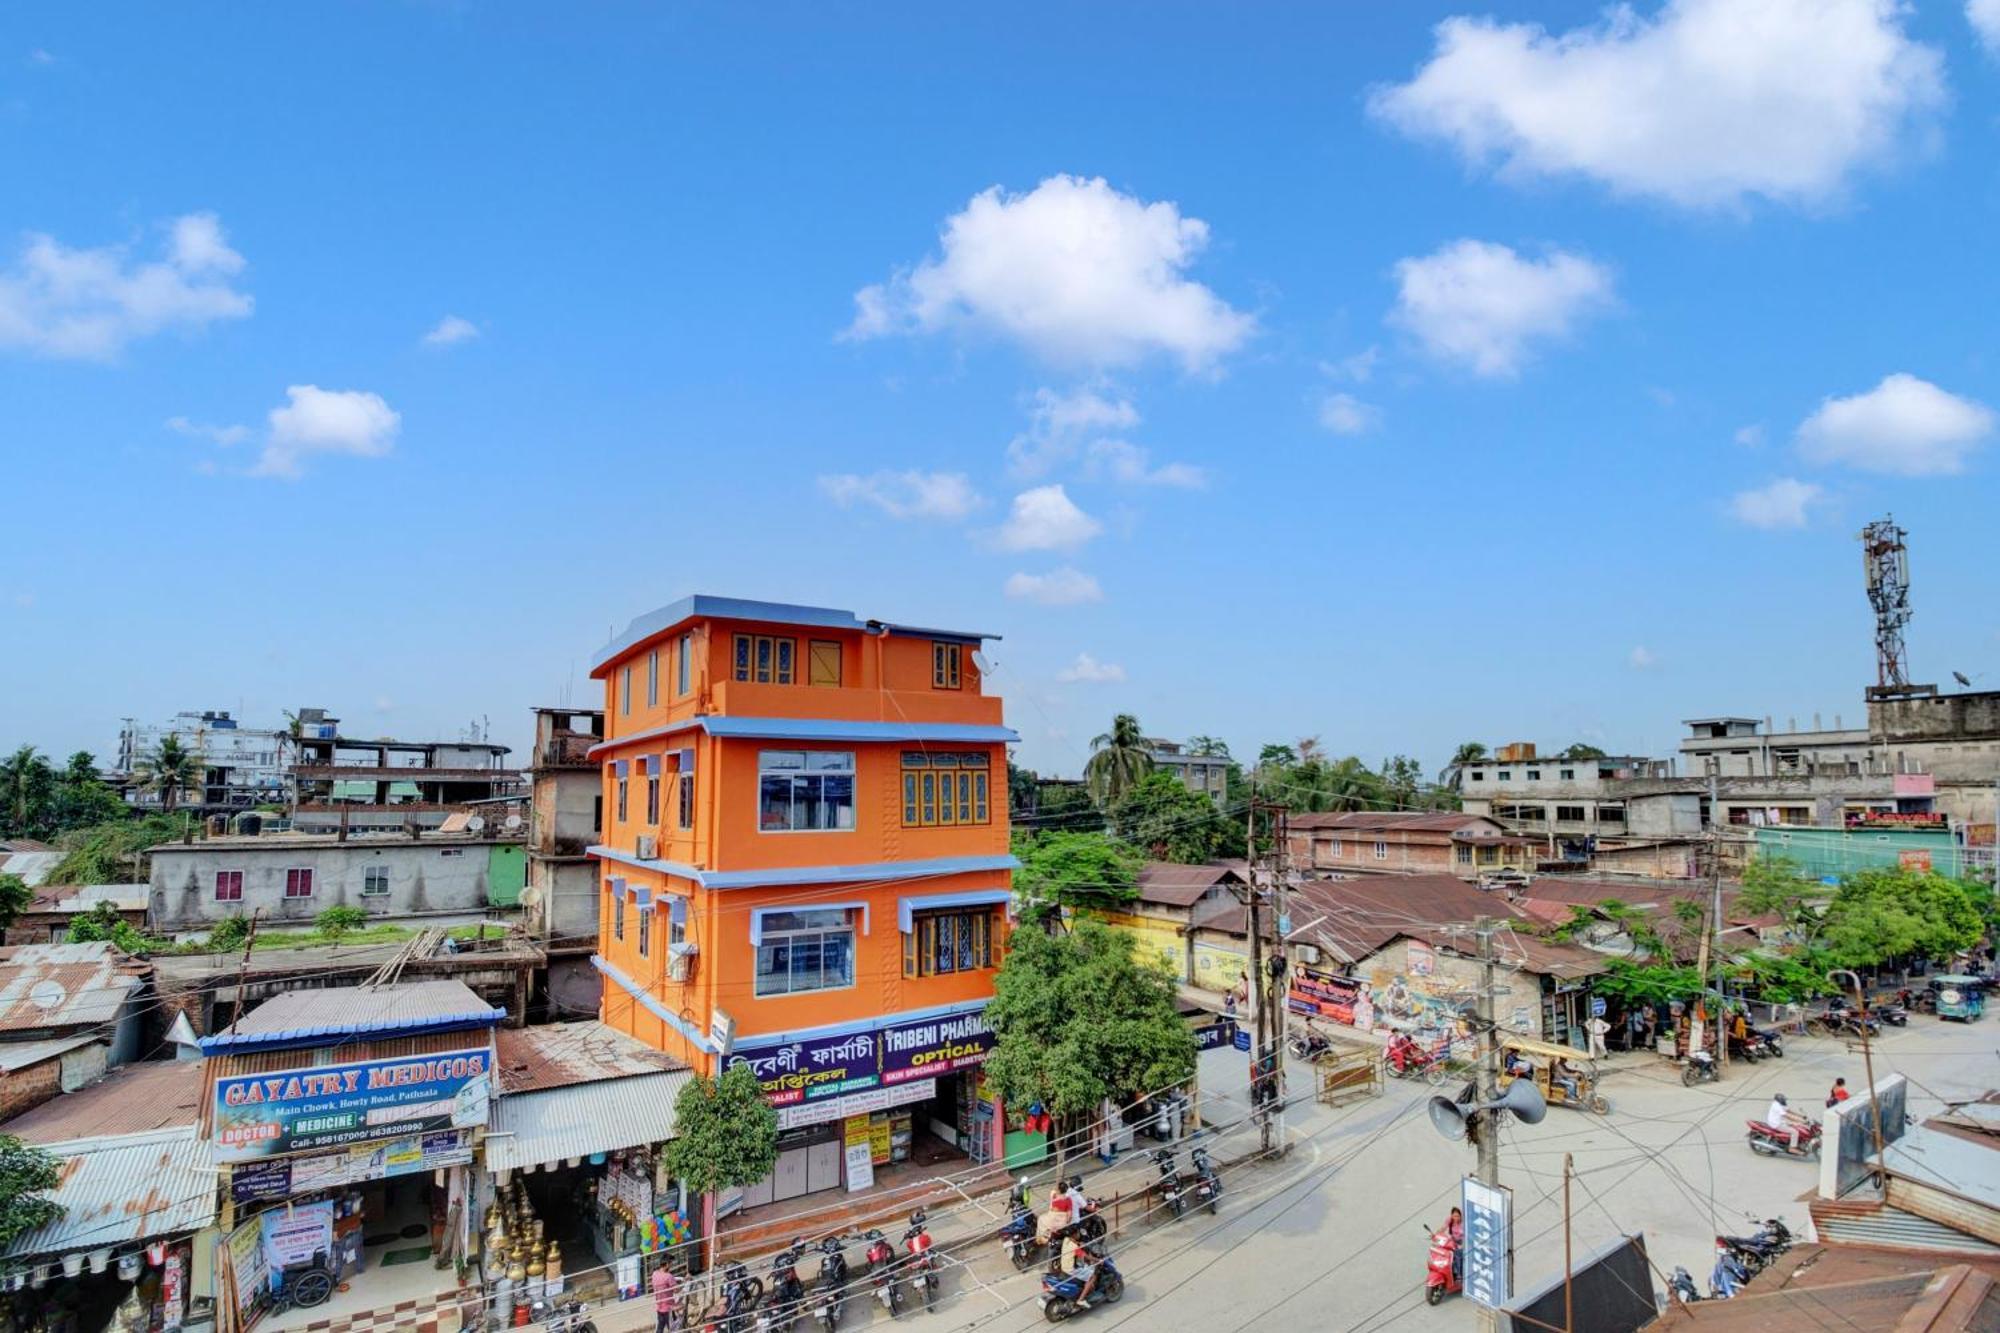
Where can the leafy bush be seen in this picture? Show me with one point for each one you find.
(337, 921)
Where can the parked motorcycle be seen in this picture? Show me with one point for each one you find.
(1756, 1252)
(740, 1295)
(922, 1263)
(882, 1275)
(831, 1296)
(1681, 1286)
(1771, 1039)
(1778, 1142)
(1442, 1279)
(1406, 1057)
(1728, 1275)
(1017, 1234)
(1207, 1180)
(1838, 1022)
(1700, 1068)
(568, 1315)
(1061, 1291)
(1307, 1044)
(1169, 1185)
(786, 1299)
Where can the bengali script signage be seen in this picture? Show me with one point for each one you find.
(1321, 994)
(333, 1106)
(285, 1176)
(814, 1068)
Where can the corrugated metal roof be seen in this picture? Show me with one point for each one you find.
(21, 1054)
(705, 606)
(556, 1055)
(114, 1191)
(533, 1128)
(1174, 885)
(131, 1099)
(1391, 821)
(357, 1011)
(64, 985)
(1960, 1166)
(31, 868)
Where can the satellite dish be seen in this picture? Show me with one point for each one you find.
(476, 823)
(511, 823)
(48, 995)
(1958, 676)
(982, 662)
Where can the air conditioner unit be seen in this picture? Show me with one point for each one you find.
(648, 848)
(1308, 954)
(680, 961)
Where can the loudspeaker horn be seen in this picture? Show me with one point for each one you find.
(1523, 1100)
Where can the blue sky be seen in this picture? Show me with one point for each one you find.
(1399, 374)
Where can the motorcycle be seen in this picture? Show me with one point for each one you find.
(917, 1243)
(1061, 1291)
(1778, 1142)
(1169, 1183)
(882, 1274)
(1442, 1279)
(1839, 1022)
(1308, 1045)
(566, 1316)
(832, 1293)
(1755, 1253)
(1405, 1057)
(1681, 1286)
(1018, 1232)
(1728, 1275)
(787, 1296)
(740, 1295)
(1207, 1181)
(1700, 1069)
(1772, 1041)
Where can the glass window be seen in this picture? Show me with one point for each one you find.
(1534, 775)
(1381, 851)
(228, 886)
(653, 678)
(946, 942)
(684, 664)
(687, 800)
(764, 659)
(621, 800)
(625, 690)
(932, 798)
(299, 883)
(805, 790)
(617, 913)
(1463, 854)
(652, 801)
(945, 665)
(645, 930)
(375, 882)
(805, 951)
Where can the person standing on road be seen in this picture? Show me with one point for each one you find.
(665, 1307)
(1597, 1028)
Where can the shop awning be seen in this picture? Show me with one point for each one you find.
(532, 1129)
(125, 1188)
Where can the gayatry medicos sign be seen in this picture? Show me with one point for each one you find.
(332, 1106)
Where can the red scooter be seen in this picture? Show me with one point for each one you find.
(1442, 1280)
(1406, 1058)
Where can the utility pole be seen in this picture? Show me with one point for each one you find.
(1715, 927)
(1569, 1262)
(1280, 968)
(1488, 1079)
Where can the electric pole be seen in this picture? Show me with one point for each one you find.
(1263, 1083)
(1487, 1080)
(1715, 929)
(1280, 967)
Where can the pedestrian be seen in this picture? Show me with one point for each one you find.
(666, 1287)
(1597, 1028)
(1839, 1093)
(1635, 1029)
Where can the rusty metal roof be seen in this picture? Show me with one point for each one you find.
(1173, 885)
(65, 985)
(558, 1055)
(134, 1187)
(131, 1099)
(1395, 821)
(304, 1017)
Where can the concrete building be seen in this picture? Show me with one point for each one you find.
(383, 785)
(565, 817)
(1570, 803)
(1406, 842)
(1170, 896)
(241, 766)
(438, 879)
(55, 907)
(1204, 773)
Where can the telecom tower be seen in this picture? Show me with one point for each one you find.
(1888, 564)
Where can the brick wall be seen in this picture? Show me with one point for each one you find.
(25, 1089)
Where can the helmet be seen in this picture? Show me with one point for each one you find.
(1780, 1100)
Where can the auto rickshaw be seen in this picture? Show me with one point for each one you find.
(1958, 996)
(1541, 1058)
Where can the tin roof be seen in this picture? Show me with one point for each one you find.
(702, 606)
(1389, 821)
(304, 1017)
(557, 1055)
(131, 1099)
(21, 1054)
(1945, 1161)
(1171, 884)
(556, 1124)
(114, 1191)
(31, 868)
(65, 985)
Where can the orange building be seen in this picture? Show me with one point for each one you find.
(805, 864)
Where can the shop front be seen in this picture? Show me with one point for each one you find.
(870, 1096)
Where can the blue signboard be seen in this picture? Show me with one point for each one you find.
(1597, 1006)
(815, 1067)
(332, 1106)
(1489, 1242)
(1213, 1036)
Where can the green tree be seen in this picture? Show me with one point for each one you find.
(1062, 869)
(169, 769)
(1076, 1020)
(1877, 915)
(1024, 790)
(726, 1134)
(1581, 751)
(15, 895)
(1212, 747)
(337, 921)
(1166, 821)
(113, 852)
(1119, 758)
(1779, 886)
(1276, 757)
(1452, 775)
(1402, 784)
(26, 1174)
(27, 788)
(102, 922)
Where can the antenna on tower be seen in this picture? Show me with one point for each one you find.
(1887, 563)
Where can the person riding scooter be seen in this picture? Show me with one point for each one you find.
(1781, 1117)
(1082, 1263)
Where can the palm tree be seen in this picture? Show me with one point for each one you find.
(168, 769)
(1453, 774)
(1352, 785)
(1208, 747)
(1119, 760)
(25, 780)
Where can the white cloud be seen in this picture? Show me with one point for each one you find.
(1344, 414)
(1075, 271)
(1088, 670)
(325, 421)
(1058, 423)
(1122, 461)
(1751, 436)
(198, 430)
(1782, 504)
(1704, 104)
(1904, 426)
(88, 304)
(1984, 16)
(1642, 658)
(1046, 519)
(909, 494)
(1359, 368)
(1481, 305)
(1058, 587)
(449, 330)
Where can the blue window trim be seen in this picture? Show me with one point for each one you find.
(819, 729)
(653, 1006)
(867, 872)
(907, 908)
(758, 914)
